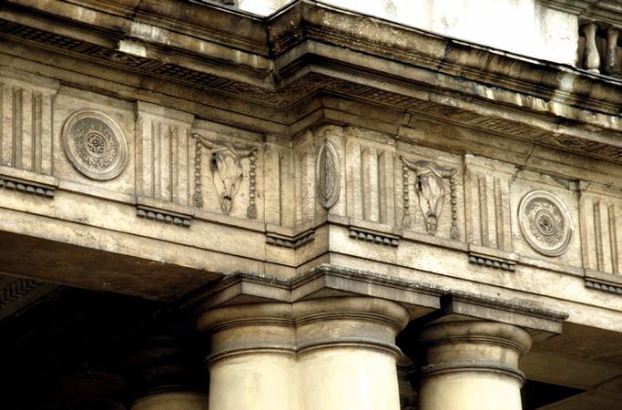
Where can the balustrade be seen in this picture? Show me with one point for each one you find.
(600, 50)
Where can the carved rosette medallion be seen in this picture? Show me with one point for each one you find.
(545, 223)
(327, 175)
(95, 145)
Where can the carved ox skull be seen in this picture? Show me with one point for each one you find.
(430, 189)
(226, 167)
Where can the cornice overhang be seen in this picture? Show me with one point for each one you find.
(607, 11)
(309, 48)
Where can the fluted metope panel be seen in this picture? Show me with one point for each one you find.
(600, 233)
(489, 216)
(370, 178)
(25, 129)
(164, 165)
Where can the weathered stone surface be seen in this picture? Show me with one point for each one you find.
(157, 148)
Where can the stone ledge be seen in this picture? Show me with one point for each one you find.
(493, 258)
(541, 322)
(607, 282)
(609, 11)
(28, 182)
(325, 280)
(292, 242)
(603, 286)
(27, 188)
(423, 300)
(163, 216)
(166, 212)
(374, 237)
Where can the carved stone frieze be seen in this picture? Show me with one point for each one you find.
(545, 223)
(95, 144)
(306, 85)
(312, 82)
(328, 175)
(227, 172)
(430, 190)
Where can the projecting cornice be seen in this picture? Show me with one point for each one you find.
(310, 49)
(609, 11)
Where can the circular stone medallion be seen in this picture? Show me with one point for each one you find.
(545, 223)
(95, 145)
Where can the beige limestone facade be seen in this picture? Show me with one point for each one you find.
(339, 205)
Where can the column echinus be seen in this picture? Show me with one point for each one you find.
(252, 363)
(468, 351)
(331, 353)
(472, 365)
(347, 353)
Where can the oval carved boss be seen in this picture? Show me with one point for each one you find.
(328, 174)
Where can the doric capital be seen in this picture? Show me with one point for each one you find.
(473, 346)
(354, 321)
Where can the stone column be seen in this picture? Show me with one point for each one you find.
(181, 400)
(167, 374)
(252, 363)
(469, 365)
(347, 353)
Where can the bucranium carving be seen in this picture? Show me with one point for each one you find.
(226, 167)
(430, 189)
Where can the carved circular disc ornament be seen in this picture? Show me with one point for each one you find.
(545, 223)
(95, 145)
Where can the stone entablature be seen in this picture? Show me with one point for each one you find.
(434, 182)
(331, 186)
(307, 183)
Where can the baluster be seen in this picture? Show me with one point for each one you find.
(592, 58)
(612, 63)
